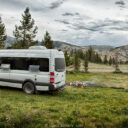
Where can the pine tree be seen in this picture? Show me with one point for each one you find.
(67, 58)
(105, 60)
(126, 62)
(80, 54)
(3, 36)
(76, 62)
(72, 52)
(110, 61)
(90, 52)
(100, 60)
(26, 32)
(93, 57)
(117, 70)
(113, 61)
(86, 63)
(48, 42)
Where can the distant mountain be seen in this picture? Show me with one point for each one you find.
(66, 46)
(102, 47)
(10, 40)
(103, 50)
(122, 51)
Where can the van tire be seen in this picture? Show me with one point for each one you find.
(29, 88)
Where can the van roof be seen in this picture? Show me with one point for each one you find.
(27, 52)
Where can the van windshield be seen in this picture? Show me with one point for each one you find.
(60, 64)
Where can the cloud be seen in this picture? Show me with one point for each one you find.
(101, 26)
(63, 21)
(56, 4)
(35, 6)
(83, 27)
(122, 3)
(21, 3)
(73, 21)
(70, 14)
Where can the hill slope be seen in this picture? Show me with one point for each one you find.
(66, 46)
(122, 51)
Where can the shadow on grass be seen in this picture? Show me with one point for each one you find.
(48, 93)
(10, 88)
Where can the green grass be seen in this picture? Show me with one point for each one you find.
(73, 107)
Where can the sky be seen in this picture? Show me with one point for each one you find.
(79, 22)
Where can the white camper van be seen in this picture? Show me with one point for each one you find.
(33, 69)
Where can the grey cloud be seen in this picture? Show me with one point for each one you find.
(16, 3)
(39, 6)
(91, 26)
(64, 30)
(122, 3)
(70, 14)
(79, 25)
(83, 27)
(63, 21)
(56, 4)
(125, 28)
(104, 26)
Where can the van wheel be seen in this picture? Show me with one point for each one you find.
(29, 88)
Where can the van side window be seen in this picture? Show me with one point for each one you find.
(43, 62)
(20, 63)
(44, 65)
(4, 60)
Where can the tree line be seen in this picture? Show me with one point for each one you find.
(25, 33)
(78, 57)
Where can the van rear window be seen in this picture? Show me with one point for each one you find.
(60, 64)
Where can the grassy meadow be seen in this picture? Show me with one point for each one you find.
(73, 107)
(100, 68)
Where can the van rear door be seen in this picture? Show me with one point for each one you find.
(60, 71)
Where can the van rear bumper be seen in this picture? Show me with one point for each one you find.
(49, 87)
(53, 88)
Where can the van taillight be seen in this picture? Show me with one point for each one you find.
(51, 73)
(52, 79)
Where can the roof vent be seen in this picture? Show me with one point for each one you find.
(38, 48)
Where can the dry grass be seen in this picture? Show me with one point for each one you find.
(100, 68)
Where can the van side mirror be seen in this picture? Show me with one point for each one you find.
(34, 68)
(5, 66)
